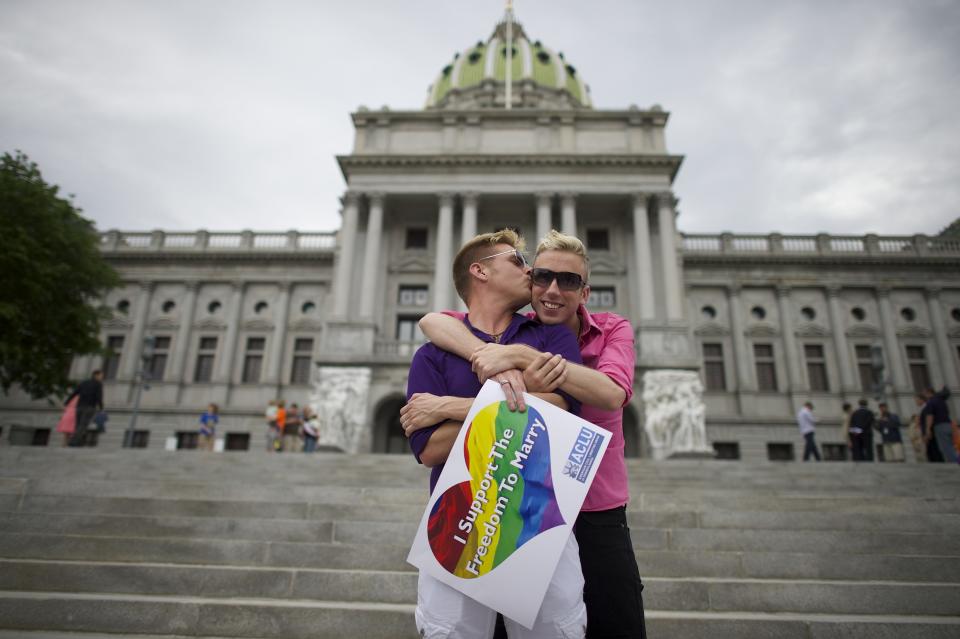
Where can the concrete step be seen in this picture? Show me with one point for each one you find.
(198, 616)
(693, 593)
(296, 619)
(773, 565)
(215, 552)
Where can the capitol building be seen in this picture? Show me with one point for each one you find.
(510, 137)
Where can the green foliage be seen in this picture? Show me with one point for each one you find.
(51, 278)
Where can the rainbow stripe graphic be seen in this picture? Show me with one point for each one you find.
(477, 524)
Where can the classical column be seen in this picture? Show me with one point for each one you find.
(741, 358)
(568, 213)
(234, 315)
(844, 357)
(348, 238)
(468, 230)
(944, 351)
(371, 257)
(898, 373)
(668, 255)
(642, 249)
(179, 364)
(131, 364)
(442, 270)
(544, 214)
(794, 374)
(279, 339)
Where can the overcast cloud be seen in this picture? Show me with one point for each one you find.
(798, 117)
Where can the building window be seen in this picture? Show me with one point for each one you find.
(302, 358)
(766, 369)
(598, 240)
(158, 363)
(139, 438)
(955, 314)
(308, 308)
(236, 441)
(124, 306)
(868, 380)
(714, 377)
(416, 238)
(708, 312)
(168, 306)
(214, 306)
(413, 296)
(206, 353)
(726, 450)
(834, 452)
(260, 307)
(186, 440)
(111, 363)
(919, 373)
(779, 451)
(816, 367)
(253, 360)
(858, 314)
(908, 314)
(603, 297)
(808, 313)
(758, 313)
(408, 328)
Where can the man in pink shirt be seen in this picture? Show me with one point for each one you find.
(604, 384)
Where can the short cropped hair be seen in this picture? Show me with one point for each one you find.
(557, 241)
(476, 249)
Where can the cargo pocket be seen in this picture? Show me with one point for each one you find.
(574, 626)
(429, 628)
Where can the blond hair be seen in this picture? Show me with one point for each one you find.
(557, 241)
(475, 250)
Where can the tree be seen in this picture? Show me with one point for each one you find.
(52, 277)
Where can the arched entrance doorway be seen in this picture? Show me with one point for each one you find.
(387, 434)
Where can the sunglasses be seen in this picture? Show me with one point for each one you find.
(566, 280)
(517, 258)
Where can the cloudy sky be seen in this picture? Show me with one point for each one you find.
(795, 116)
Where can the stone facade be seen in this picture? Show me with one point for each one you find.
(769, 321)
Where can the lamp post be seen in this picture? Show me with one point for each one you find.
(140, 379)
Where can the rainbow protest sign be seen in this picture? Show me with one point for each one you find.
(506, 501)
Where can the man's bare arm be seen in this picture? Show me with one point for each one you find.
(440, 444)
(589, 386)
(450, 334)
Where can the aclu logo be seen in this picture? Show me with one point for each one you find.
(583, 455)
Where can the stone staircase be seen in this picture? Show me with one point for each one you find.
(142, 543)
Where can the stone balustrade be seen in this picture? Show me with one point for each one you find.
(776, 244)
(206, 241)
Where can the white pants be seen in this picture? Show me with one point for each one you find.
(443, 612)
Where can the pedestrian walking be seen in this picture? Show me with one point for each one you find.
(931, 452)
(889, 426)
(68, 421)
(208, 426)
(938, 425)
(861, 425)
(807, 424)
(310, 429)
(270, 414)
(89, 394)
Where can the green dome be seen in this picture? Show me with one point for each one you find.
(539, 75)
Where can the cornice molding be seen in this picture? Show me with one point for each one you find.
(808, 329)
(914, 331)
(510, 159)
(711, 329)
(764, 329)
(257, 325)
(863, 330)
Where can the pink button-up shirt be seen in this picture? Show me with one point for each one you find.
(606, 345)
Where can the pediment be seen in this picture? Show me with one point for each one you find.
(807, 329)
(606, 266)
(257, 325)
(863, 330)
(914, 331)
(163, 323)
(308, 325)
(116, 323)
(412, 263)
(210, 324)
(762, 329)
(711, 329)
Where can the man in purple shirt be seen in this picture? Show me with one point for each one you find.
(492, 277)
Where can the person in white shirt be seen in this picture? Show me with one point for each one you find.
(808, 426)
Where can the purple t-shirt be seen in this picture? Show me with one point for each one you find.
(441, 373)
